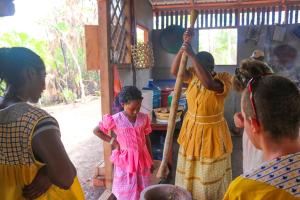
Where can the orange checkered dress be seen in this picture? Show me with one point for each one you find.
(18, 166)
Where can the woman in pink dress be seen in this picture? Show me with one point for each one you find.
(132, 155)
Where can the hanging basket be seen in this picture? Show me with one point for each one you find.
(142, 55)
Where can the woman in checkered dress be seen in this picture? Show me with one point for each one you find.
(33, 161)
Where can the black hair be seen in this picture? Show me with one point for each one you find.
(248, 69)
(13, 61)
(126, 95)
(206, 59)
(277, 102)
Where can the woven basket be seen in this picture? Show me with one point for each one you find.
(142, 55)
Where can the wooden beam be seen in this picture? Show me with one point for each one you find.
(223, 5)
(106, 77)
(92, 47)
(128, 27)
(192, 4)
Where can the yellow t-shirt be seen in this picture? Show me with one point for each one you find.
(17, 164)
(276, 179)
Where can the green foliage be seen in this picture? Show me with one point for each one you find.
(222, 43)
(13, 39)
(69, 95)
(62, 50)
(62, 27)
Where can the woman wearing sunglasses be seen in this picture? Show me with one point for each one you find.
(271, 118)
(248, 69)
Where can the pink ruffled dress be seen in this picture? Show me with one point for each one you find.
(132, 162)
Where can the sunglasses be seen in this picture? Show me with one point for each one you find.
(251, 85)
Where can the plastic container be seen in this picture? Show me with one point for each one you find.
(164, 96)
(147, 103)
(156, 97)
(181, 102)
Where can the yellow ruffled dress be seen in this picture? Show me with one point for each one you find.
(204, 158)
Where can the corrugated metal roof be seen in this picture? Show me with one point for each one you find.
(172, 2)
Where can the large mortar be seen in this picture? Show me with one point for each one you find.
(165, 192)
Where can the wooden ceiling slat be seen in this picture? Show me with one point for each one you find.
(273, 15)
(202, 18)
(247, 16)
(162, 21)
(292, 14)
(198, 20)
(221, 18)
(157, 19)
(211, 18)
(185, 19)
(236, 13)
(206, 18)
(279, 14)
(252, 16)
(243, 17)
(225, 17)
(258, 10)
(216, 18)
(181, 18)
(268, 16)
(230, 17)
(296, 14)
(173, 5)
(167, 18)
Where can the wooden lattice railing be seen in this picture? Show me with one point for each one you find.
(120, 31)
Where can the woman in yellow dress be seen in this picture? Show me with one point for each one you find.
(33, 161)
(204, 158)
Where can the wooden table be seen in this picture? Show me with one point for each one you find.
(158, 126)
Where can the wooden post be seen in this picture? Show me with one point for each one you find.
(106, 77)
(163, 170)
(128, 29)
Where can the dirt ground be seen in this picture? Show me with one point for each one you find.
(85, 150)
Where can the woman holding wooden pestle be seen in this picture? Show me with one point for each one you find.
(204, 158)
